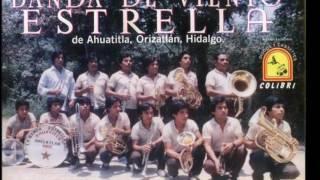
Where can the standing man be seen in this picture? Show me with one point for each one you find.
(151, 87)
(22, 122)
(260, 161)
(217, 81)
(171, 131)
(146, 139)
(223, 141)
(93, 84)
(123, 84)
(58, 82)
(83, 123)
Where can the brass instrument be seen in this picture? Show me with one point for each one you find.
(145, 158)
(186, 160)
(222, 168)
(109, 137)
(279, 145)
(77, 142)
(187, 93)
(243, 84)
(160, 100)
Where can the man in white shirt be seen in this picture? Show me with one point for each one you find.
(151, 87)
(180, 124)
(217, 81)
(115, 124)
(260, 161)
(58, 82)
(223, 141)
(146, 139)
(123, 85)
(83, 123)
(22, 122)
(93, 84)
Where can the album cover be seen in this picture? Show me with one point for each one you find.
(263, 42)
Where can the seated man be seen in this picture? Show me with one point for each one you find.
(260, 161)
(21, 123)
(82, 123)
(146, 139)
(181, 123)
(223, 141)
(112, 133)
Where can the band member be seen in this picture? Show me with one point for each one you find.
(115, 122)
(223, 141)
(123, 84)
(217, 81)
(260, 161)
(171, 130)
(58, 81)
(173, 87)
(146, 139)
(151, 87)
(22, 122)
(54, 115)
(88, 122)
(93, 84)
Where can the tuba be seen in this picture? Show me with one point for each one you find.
(109, 137)
(77, 142)
(12, 152)
(243, 84)
(186, 139)
(187, 92)
(280, 146)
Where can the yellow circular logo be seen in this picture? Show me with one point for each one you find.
(277, 65)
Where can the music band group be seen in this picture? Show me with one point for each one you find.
(123, 116)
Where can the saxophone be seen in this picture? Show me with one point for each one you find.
(280, 146)
(187, 92)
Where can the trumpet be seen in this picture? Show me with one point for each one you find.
(145, 158)
(243, 84)
(186, 139)
(77, 142)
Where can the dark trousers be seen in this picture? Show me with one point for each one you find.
(133, 116)
(198, 155)
(157, 153)
(90, 154)
(261, 162)
(106, 155)
(233, 162)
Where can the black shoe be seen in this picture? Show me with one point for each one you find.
(128, 168)
(75, 166)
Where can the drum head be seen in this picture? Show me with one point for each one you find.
(12, 152)
(46, 146)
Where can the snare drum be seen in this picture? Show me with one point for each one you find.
(12, 152)
(46, 146)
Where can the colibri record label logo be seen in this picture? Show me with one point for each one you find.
(277, 67)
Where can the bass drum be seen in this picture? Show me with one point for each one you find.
(46, 146)
(12, 152)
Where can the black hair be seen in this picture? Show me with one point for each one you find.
(92, 58)
(52, 100)
(215, 56)
(215, 101)
(144, 107)
(149, 60)
(272, 100)
(177, 105)
(84, 100)
(21, 102)
(110, 100)
(56, 54)
(122, 56)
